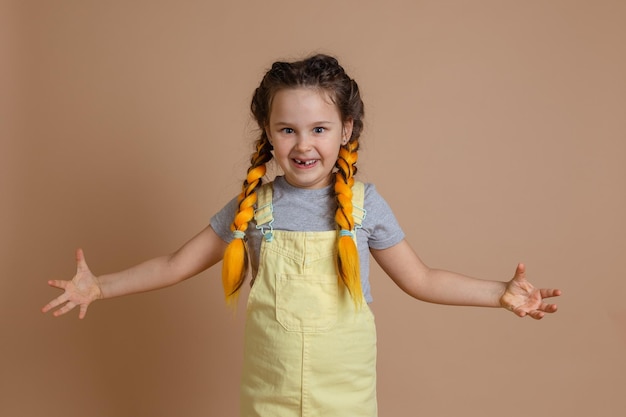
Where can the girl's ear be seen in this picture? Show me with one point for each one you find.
(347, 131)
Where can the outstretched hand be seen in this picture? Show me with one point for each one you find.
(81, 291)
(522, 298)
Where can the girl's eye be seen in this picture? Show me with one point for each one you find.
(319, 130)
(287, 130)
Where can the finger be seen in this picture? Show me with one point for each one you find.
(57, 283)
(551, 292)
(81, 263)
(69, 306)
(536, 314)
(83, 311)
(520, 271)
(518, 312)
(548, 308)
(47, 307)
(54, 303)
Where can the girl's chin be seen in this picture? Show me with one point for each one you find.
(299, 181)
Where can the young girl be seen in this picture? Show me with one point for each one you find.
(310, 339)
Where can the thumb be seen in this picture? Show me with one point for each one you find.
(81, 264)
(520, 272)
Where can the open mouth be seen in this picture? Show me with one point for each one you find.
(302, 163)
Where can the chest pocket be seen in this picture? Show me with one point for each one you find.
(307, 303)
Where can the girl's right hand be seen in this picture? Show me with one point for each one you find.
(81, 291)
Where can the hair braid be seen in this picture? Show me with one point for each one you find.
(235, 263)
(347, 254)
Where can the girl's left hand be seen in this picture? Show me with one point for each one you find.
(522, 298)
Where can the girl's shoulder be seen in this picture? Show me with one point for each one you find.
(371, 192)
(380, 223)
(375, 204)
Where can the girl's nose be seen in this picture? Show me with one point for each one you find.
(303, 142)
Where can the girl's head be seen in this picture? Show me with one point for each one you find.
(320, 72)
(300, 107)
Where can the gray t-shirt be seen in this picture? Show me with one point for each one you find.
(303, 210)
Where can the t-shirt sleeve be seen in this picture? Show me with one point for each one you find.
(380, 223)
(222, 220)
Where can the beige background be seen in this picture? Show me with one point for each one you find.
(495, 129)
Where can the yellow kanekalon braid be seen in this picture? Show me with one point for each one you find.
(347, 254)
(235, 262)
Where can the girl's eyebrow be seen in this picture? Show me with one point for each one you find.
(321, 122)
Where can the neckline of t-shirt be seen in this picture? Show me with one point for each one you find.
(281, 182)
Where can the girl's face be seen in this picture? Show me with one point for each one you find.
(306, 131)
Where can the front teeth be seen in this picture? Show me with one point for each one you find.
(305, 163)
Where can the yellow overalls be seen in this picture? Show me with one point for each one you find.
(308, 351)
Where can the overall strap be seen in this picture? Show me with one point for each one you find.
(264, 213)
(358, 202)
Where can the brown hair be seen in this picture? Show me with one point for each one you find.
(321, 72)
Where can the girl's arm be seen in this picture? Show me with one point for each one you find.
(200, 253)
(407, 270)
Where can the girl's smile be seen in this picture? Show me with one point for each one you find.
(306, 131)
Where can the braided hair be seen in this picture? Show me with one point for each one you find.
(321, 72)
